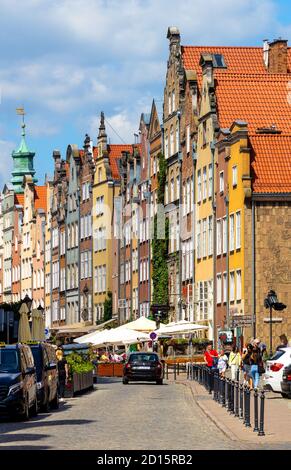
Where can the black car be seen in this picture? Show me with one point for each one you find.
(143, 366)
(286, 382)
(45, 361)
(17, 381)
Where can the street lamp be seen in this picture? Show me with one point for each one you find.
(271, 302)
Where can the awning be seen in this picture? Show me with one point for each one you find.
(74, 328)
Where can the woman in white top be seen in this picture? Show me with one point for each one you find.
(222, 363)
(234, 362)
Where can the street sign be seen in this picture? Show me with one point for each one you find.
(121, 303)
(153, 335)
(241, 320)
(47, 333)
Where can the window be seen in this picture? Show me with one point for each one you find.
(204, 190)
(63, 279)
(218, 287)
(177, 138)
(234, 175)
(218, 238)
(238, 285)
(172, 150)
(99, 205)
(178, 187)
(184, 200)
(204, 237)
(199, 186)
(172, 197)
(210, 236)
(224, 287)
(99, 175)
(173, 101)
(204, 132)
(231, 287)
(224, 234)
(210, 180)
(231, 234)
(221, 182)
(188, 196)
(188, 138)
(55, 275)
(199, 239)
(169, 103)
(238, 230)
(154, 165)
(166, 146)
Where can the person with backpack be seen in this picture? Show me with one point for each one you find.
(246, 360)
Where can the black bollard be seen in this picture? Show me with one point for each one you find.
(229, 395)
(232, 397)
(214, 386)
(241, 401)
(262, 414)
(256, 410)
(248, 410)
(178, 368)
(226, 392)
(245, 404)
(236, 414)
(209, 377)
(175, 372)
(167, 371)
(223, 391)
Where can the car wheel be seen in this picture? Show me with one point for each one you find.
(159, 382)
(285, 395)
(55, 403)
(45, 407)
(125, 381)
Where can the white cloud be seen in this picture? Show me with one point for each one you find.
(6, 149)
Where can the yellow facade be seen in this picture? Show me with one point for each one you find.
(238, 183)
(47, 258)
(204, 215)
(102, 246)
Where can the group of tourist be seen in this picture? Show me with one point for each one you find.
(252, 360)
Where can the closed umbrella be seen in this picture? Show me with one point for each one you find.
(24, 333)
(38, 326)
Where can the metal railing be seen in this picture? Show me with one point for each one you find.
(232, 395)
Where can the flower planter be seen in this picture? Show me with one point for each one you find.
(110, 369)
(81, 381)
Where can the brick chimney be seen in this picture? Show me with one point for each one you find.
(277, 56)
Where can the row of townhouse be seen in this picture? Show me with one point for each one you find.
(84, 239)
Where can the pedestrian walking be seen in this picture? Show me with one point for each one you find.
(246, 360)
(63, 371)
(222, 363)
(255, 361)
(211, 356)
(234, 362)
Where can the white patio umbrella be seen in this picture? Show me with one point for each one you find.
(179, 328)
(141, 324)
(126, 336)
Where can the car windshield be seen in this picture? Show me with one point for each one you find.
(9, 361)
(277, 355)
(143, 358)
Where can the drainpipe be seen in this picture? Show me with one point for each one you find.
(194, 158)
(226, 199)
(149, 226)
(212, 147)
(253, 270)
(180, 216)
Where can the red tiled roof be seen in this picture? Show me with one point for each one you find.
(271, 163)
(237, 59)
(260, 100)
(115, 153)
(40, 197)
(19, 199)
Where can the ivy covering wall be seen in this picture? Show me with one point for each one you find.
(108, 307)
(160, 246)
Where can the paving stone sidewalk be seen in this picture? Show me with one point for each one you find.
(277, 416)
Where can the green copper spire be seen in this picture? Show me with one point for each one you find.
(22, 161)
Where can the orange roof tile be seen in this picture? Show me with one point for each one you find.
(271, 163)
(19, 199)
(260, 100)
(40, 197)
(237, 59)
(115, 153)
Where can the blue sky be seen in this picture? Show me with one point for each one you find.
(66, 60)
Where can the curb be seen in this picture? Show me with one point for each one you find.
(216, 422)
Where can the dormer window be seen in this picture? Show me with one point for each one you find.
(218, 61)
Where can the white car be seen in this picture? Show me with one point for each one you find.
(272, 378)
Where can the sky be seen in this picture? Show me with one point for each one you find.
(65, 61)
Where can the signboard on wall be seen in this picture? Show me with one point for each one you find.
(241, 321)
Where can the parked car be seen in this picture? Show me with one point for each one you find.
(272, 378)
(286, 382)
(45, 361)
(17, 380)
(143, 366)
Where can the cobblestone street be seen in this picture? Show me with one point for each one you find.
(141, 416)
